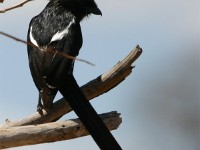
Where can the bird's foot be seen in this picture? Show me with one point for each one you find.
(39, 108)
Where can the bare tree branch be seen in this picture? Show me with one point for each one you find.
(92, 89)
(51, 132)
(15, 6)
(11, 135)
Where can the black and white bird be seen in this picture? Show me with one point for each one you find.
(57, 28)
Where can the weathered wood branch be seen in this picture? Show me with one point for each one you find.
(92, 89)
(13, 134)
(51, 132)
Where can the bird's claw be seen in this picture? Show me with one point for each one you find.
(39, 108)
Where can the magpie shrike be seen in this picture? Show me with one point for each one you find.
(57, 28)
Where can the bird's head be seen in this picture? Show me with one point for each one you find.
(80, 8)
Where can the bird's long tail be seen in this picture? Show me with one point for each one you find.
(84, 110)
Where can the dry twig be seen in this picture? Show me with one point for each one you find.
(15, 6)
(48, 49)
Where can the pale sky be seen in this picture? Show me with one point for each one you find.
(159, 101)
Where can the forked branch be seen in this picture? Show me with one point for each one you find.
(92, 89)
(27, 131)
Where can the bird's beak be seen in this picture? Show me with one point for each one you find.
(96, 11)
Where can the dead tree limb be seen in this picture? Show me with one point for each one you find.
(92, 89)
(51, 132)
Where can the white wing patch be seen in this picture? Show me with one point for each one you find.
(32, 39)
(60, 35)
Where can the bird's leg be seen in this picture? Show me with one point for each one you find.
(39, 105)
